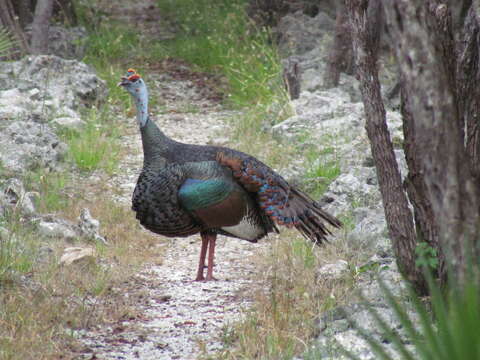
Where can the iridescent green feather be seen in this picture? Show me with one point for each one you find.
(197, 194)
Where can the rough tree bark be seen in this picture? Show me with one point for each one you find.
(421, 31)
(340, 57)
(425, 221)
(365, 19)
(468, 91)
(40, 25)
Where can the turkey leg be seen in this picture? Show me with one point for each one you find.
(211, 255)
(208, 241)
(203, 253)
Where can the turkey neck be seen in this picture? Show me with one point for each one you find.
(155, 142)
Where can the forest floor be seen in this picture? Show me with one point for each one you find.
(178, 318)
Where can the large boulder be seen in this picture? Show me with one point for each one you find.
(38, 91)
(49, 85)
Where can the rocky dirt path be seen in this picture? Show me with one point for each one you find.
(179, 318)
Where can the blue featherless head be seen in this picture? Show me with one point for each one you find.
(132, 82)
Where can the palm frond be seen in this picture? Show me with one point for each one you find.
(6, 42)
(449, 331)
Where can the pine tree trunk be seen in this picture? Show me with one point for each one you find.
(365, 35)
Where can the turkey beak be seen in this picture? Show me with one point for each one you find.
(123, 82)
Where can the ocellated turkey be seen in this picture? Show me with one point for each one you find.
(186, 189)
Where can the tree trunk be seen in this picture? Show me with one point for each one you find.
(365, 35)
(426, 226)
(423, 46)
(340, 57)
(40, 25)
(468, 91)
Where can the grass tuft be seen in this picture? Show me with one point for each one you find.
(51, 188)
(96, 145)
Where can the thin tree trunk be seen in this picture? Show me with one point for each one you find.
(340, 57)
(422, 38)
(365, 35)
(40, 25)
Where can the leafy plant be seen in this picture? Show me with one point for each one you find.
(427, 256)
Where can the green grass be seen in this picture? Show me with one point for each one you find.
(219, 37)
(322, 168)
(108, 49)
(96, 146)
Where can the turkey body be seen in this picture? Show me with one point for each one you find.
(182, 199)
(185, 189)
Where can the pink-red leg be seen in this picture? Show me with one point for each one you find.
(203, 253)
(211, 255)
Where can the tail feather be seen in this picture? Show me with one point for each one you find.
(283, 204)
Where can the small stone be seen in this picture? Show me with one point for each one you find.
(69, 123)
(34, 94)
(177, 117)
(333, 270)
(90, 227)
(15, 196)
(75, 254)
